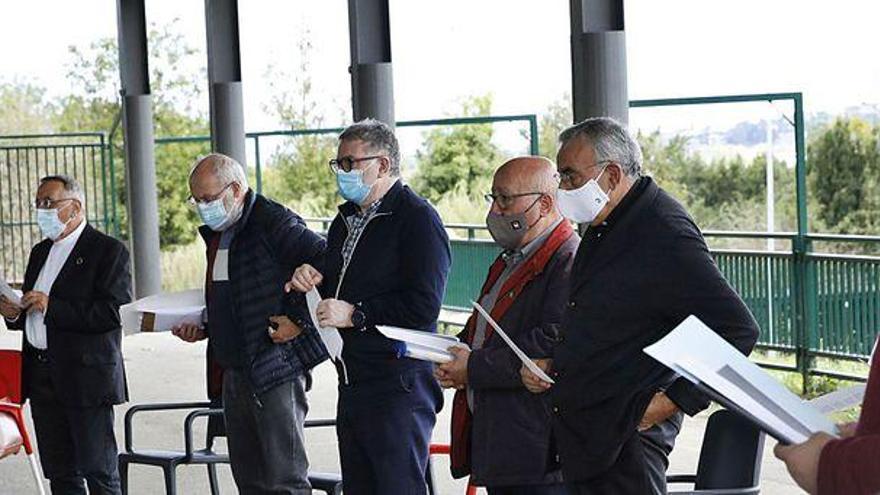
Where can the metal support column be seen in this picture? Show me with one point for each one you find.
(140, 165)
(224, 79)
(372, 85)
(598, 60)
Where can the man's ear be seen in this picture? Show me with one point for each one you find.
(615, 175)
(547, 205)
(384, 166)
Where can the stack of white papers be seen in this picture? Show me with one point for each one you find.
(162, 312)
(423, 345)
(697, 353)
(13, 295)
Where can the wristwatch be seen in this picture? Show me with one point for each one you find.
(358, 319)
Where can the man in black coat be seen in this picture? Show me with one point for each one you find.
(72, 369)
(501, 433)
(641, 269)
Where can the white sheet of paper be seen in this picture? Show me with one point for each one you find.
(516, 350)
(841, 399)
(13, 295)
(422, 345)
(167, 318)
(132, 313)
(221, 266)
(330, 336)
(696, 352)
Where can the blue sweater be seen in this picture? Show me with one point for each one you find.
(396, 276)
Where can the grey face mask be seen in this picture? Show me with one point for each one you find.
(508, 230)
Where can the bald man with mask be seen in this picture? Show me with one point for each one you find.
(501, 433)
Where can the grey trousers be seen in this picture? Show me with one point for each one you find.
(657, 443)
(265, 436)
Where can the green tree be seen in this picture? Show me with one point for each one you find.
(557, 117)
(297, 173)
(177, 75)
(23, 109)
(844, 166)
(460, 156)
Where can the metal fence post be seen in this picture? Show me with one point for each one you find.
(805, 277)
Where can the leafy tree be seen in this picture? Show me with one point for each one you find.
(23, 109)
(557, 117)
(177, 92)
(297, 173)
(461, 156)
(844, 166)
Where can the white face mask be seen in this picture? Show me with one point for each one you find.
(582, 205)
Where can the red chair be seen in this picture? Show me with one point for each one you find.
(437, 449)
(10, 403)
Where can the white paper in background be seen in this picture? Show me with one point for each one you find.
(702, 356)
(170, 304)
(423, 345)
(329, 335)
(13, 295)
(516, 350)
(841, 399)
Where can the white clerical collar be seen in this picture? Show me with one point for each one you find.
(74, 236)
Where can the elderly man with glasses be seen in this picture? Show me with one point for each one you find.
(386, 263)
(501, 433)
(258, 335)
(641, 269)
(72, 369)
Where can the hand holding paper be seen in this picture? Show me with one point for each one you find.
(516, 350)
(12, 295)
(329, 335)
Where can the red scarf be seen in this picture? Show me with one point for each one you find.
(512, 288)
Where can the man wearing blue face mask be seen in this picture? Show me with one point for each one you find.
(72, 368)
(501, 433)
(641, 269)
(256, 333)
(386, 263)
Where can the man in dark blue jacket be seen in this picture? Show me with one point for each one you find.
(386, 263)
(256, 333)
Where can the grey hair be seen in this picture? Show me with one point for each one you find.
(379, 136)
(71, 186)
(225, 168)
(611, 142)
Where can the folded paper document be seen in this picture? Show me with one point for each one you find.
(329, 335)
(13, 295)
(162, 312)
(516, 350)
(697, 353)
(422, 345)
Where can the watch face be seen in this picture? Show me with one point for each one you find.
(358, 317)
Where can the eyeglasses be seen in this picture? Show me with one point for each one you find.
(569, 176)
(506, 200)
(49, 203)
(346, 163)
(209, 199)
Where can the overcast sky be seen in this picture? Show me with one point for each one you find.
(518, 50)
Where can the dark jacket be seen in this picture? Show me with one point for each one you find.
(511, 431)
(83, 329)
(397, 276)
(629, 288)
(262, 258)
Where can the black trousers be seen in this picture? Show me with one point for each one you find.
(76, 444)
(641, 466)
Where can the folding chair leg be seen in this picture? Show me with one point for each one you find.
(38, 475)
(212, 479)
(123, 476)
(170, 479)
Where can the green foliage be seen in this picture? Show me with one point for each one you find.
(460, 156)
(844, 162)
(23, 109)
(297, 173)
(93, 75)
(556, 119)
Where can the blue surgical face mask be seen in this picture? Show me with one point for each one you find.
(216, 216)
(50, 225)
(351, 185)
